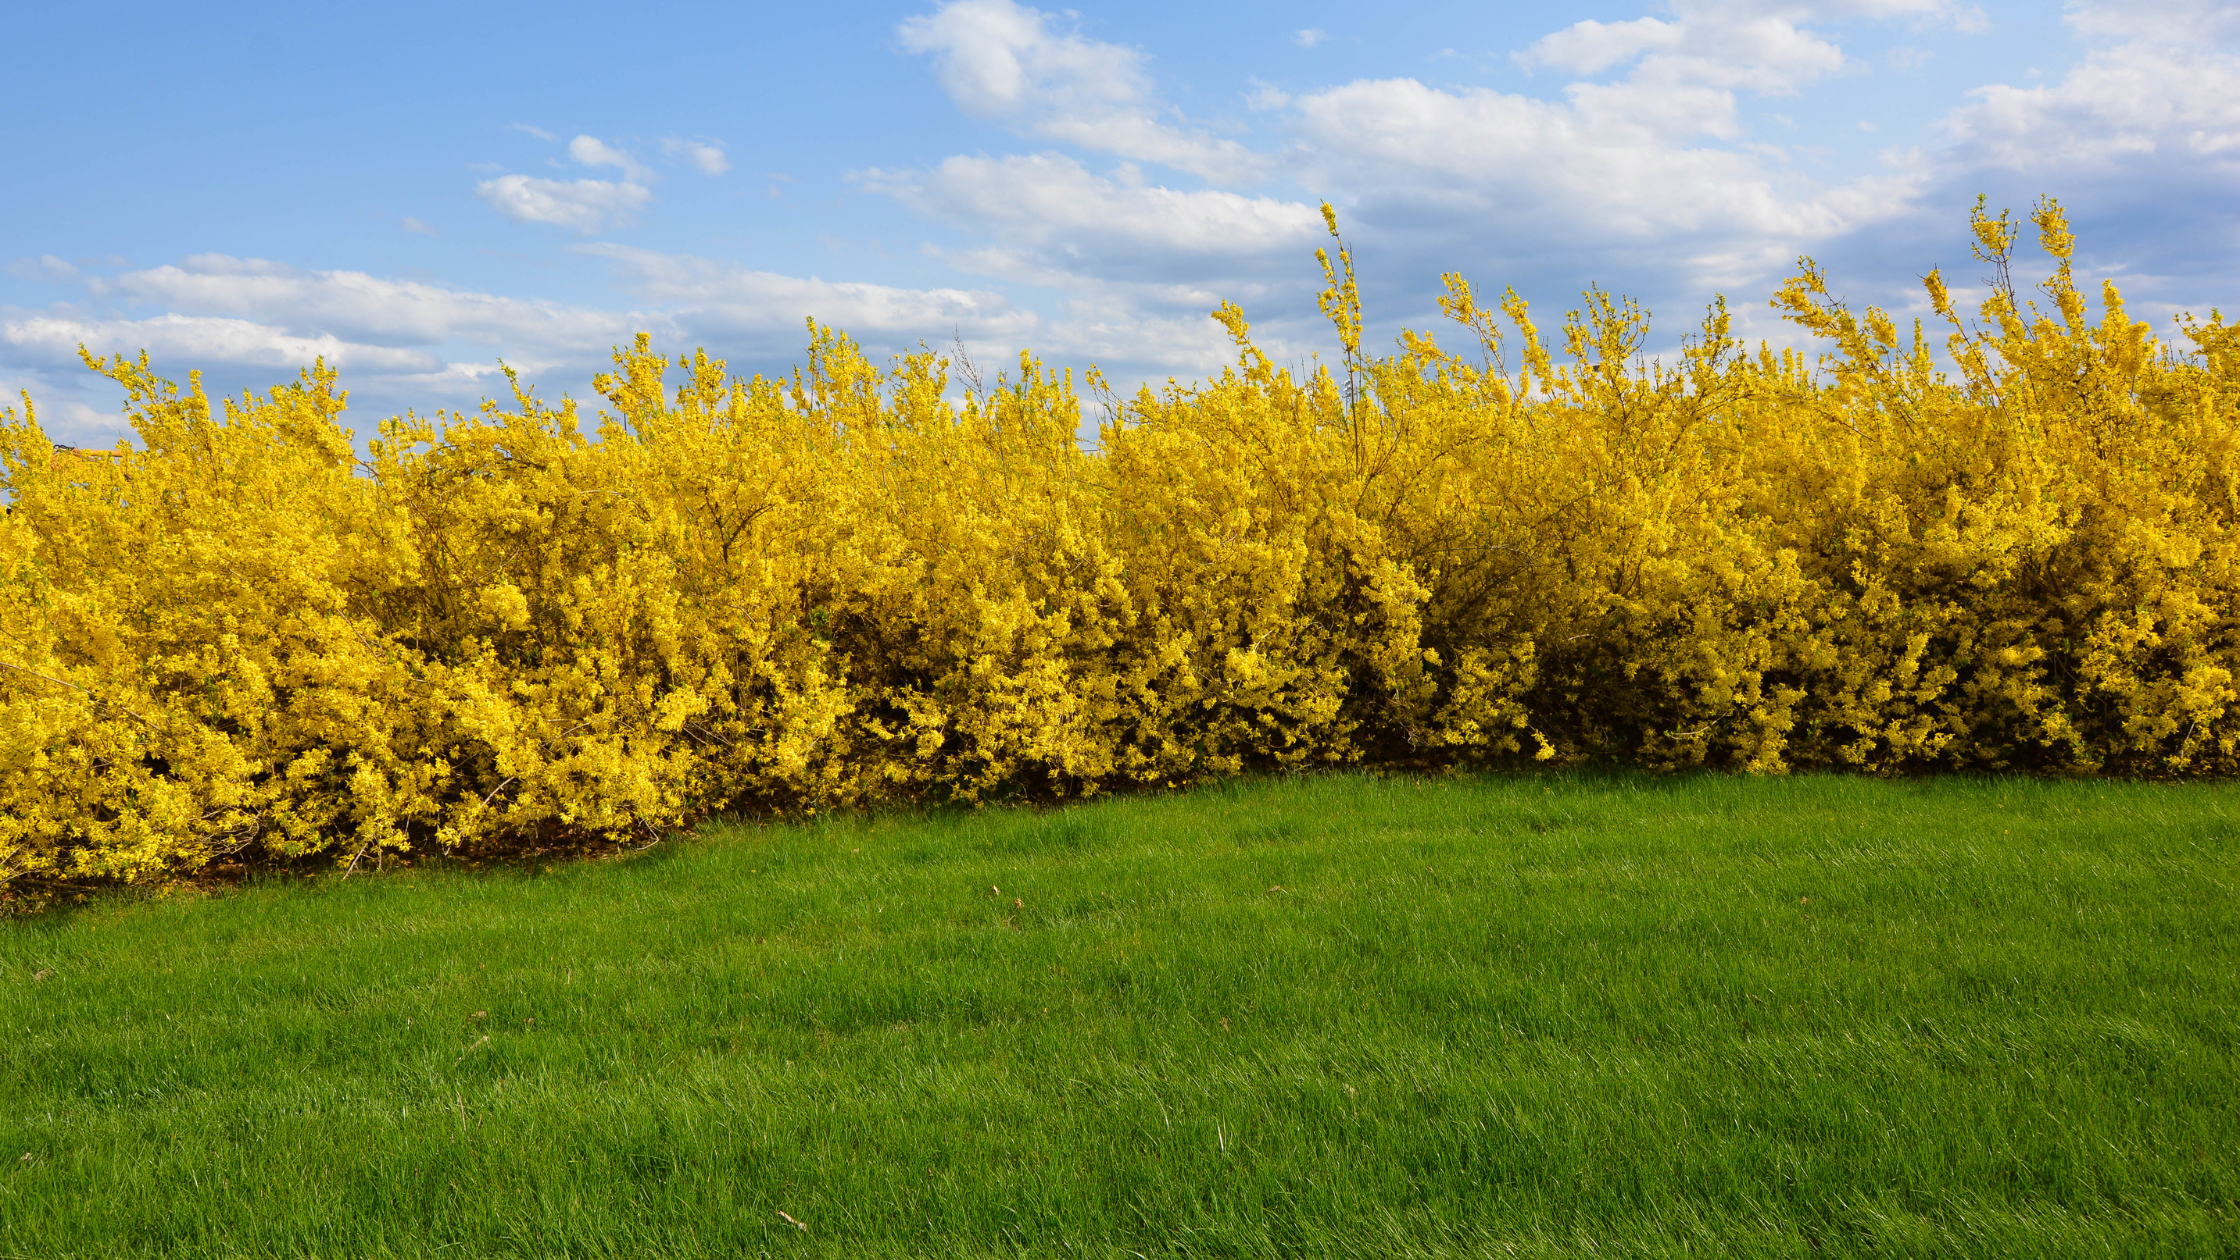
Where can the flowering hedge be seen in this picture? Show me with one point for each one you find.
(845, 587)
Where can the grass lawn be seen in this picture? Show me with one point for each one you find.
(1611, 1016)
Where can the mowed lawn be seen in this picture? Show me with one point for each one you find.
(1329, 1015)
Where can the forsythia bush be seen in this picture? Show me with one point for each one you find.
(842, 588)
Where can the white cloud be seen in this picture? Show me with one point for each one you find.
(1104, 327)
(400, 343)
(354, 305)
(2193, 23)
(1265, 97)
(594, 152)
(706, 295)
(1642, 170)
(994, 58)
(1614, 160)
(1056, 217)
(1657, 153)
(65, 419)
(539, 132)
(1756, 45)
(1309, 37)
(44, 267)
(998, 60)
(587, 205)
(1906, 59)
(2136, 99)
(1591, 47)
(706, 155)
(417, 227)
(197, 339)
(1636, 161)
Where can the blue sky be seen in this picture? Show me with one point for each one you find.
(416, 191)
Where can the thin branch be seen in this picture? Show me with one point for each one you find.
(354, 859)
(83, 692)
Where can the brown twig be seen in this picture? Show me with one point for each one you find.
(354, 859)
(83, 692)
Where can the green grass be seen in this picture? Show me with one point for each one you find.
(1506, 1016)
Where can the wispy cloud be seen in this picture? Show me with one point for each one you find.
(587, 205)
(353, 305)
(726, 301)
(418, 228)
(1265, 96)
(1053, 216)
(705, 155)
(2138, 98)
(2191, 23)
(408, 343)
(1643, 154)
(594, 152)
(1608, 164)
(999, 60)
(1640, 166)
(1728, 44)
(199, 339)
(44, 267)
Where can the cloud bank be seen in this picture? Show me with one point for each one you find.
(1645, 163)
(1104, 221)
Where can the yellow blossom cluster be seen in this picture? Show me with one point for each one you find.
(851, 586)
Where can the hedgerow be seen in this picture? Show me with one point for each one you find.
(847, 587)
